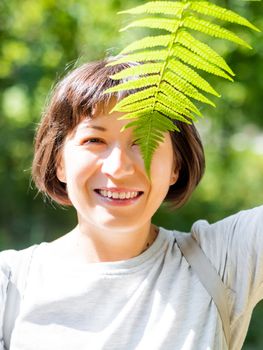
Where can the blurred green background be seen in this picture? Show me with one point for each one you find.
(41, 40)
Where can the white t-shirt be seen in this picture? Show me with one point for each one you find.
(152, 301)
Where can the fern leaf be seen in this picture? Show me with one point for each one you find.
(171, 25)
(165, 123)
(181, 113)
(164, 109)
(181, 99)
(147, 42)
(191, 76)
(208, 9)
(135, 84)
(148, 136)
(137, 114)
(135, 97)
(138, 105)
(186, 88)
(166, 75)
(147, 131)
(163, 7)
(139, 70)
(184, 105)
(199, 62)
(213, 30)
(203, 50)
(144, 56)
(149, 103)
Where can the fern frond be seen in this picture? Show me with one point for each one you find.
(166, 80)
(170, 25)
(181, 113)
(135, 84)
(208, 9)
(138, 105)
(137, 96)
(142, 69)
(203, 50)
(182, 100)
(186, 88)
(147, 131)
(199, 62)
(163, 7)
(165, 123)
(144, 56)
(165, 110)
(214, 30)
(147, 42)
(191, 76)
(136, 115)
(148, 138)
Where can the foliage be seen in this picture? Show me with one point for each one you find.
(166, 75)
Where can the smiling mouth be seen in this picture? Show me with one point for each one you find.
(119, 195)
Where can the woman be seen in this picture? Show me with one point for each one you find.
(117, 281)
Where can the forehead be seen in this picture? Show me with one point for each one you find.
(104, 122)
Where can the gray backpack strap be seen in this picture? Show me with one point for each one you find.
(16, 286)
(208, 277)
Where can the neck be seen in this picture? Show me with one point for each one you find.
(100, 245)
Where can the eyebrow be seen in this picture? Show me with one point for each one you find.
(96, 127)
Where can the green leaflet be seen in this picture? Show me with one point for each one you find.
(203, 50)
(182, 114)
(138, 105)
(148, 42)
(191, 76)
(144, 56)
(147, 68)
(165, 67)
(135, 84)
(181, 99)
(170, 25)
(164, 7)
(185, 87)
(137, 96)
(213, 30)
(199, 62)
(209, 9)
(147, 132)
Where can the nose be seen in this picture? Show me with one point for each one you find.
(118, 163)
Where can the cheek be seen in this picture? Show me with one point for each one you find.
(79, 166)
(162, 169)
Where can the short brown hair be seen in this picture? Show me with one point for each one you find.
(75, 96)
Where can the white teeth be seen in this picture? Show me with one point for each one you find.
(118, 195)
(122, 195)
(115, 195)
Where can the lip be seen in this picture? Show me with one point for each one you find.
(118, 202)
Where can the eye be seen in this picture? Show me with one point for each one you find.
(92, 140)
(135, 142)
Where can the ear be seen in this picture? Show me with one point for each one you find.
(60, 169)
(174, 173)
(174, 177)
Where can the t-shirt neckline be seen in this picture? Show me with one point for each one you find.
(128, 266)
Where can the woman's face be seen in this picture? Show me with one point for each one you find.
(105, 176)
